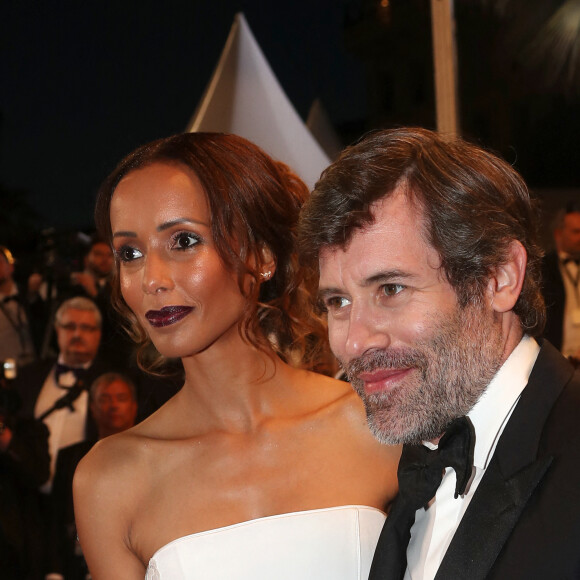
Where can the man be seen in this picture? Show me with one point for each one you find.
(15, 340)
(98, 269)
(561, 276)
(429, 270)
(113, 403)
(93, 282)
(113, 406)
(56, 391)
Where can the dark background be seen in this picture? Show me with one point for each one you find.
(84, 83)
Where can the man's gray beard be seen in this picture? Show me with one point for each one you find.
(450, 371)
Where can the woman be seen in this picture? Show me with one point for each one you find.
(246, 471)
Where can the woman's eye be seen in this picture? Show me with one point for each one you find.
(185, 240)
(128, 254)
(392, 289)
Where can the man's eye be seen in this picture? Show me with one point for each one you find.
(128, 254)
(392, 289)
(335, 303)
(185, 240)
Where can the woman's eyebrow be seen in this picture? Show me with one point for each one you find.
(178, 221)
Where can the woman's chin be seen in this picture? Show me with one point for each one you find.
(174, 351)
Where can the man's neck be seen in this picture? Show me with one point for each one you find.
(75, 363)
(568, 253)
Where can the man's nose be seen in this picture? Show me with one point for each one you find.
(364, 333)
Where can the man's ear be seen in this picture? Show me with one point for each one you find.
(505, 284)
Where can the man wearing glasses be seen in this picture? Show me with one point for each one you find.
(56, 391)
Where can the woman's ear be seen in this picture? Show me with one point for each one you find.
(505, 284)
(267, 263)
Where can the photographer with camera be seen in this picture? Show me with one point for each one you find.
(15, 341)
(87, 272)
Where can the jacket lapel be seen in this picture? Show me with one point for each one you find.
(489, 520)
(511, 477)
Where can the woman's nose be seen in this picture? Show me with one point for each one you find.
(156, 274)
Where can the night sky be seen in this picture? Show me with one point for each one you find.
(84, 83)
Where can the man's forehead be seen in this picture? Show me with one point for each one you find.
(390, 216)
(572, 220)
(115, 386)
(392, 246)
(77, 313)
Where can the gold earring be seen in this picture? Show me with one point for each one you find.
(266, 275)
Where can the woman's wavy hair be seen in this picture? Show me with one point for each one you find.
(254, 204)
(474, 205)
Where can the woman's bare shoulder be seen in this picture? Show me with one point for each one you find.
(116, 462)
(342, 423)
(335, 396)
(109, 487)
(324, 388)
(338, 403)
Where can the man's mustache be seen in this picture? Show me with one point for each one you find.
(384, 359)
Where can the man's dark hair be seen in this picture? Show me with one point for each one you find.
(474, 205)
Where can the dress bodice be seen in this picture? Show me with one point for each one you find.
(326, 544)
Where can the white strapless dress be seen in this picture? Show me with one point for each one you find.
(327, 544)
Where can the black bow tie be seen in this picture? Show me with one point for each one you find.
(61, 369)
(571, 260)
(421, 469)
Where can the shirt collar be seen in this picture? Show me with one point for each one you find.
(566, 256)
(84, 366)
(13, 291)
(491, 412)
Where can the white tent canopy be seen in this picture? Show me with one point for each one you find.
(320, 126)
(244, 97)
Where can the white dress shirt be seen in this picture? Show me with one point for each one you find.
(435, 526)
(65, 427)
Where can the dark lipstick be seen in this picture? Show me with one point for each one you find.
(167, 316)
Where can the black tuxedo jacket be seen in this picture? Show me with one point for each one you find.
(61, 538)
(554, 297)
(31, 379)
(524, 518)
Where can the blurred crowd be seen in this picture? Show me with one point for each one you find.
(68, 378)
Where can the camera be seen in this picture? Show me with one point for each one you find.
(9, 399)
(9, 369)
